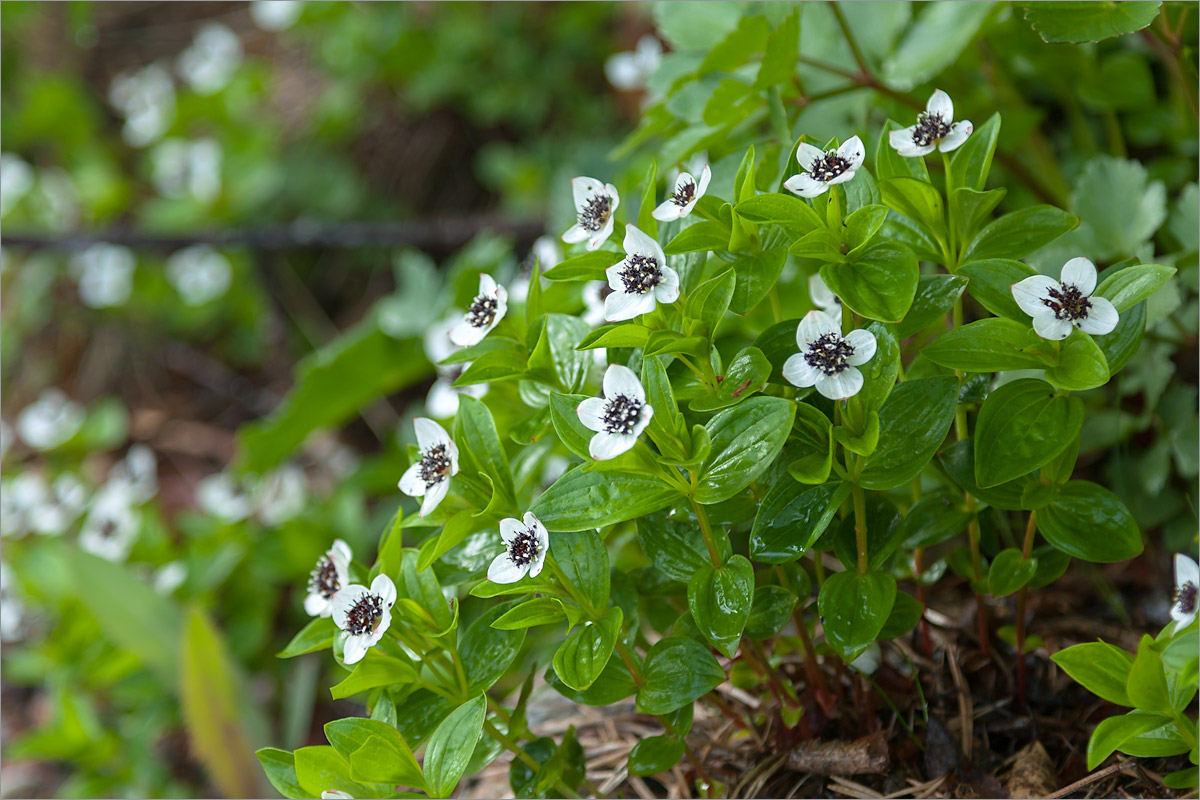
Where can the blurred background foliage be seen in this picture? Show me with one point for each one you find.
(190, 416)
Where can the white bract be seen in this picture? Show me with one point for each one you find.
(442, 400)
(828, 360)
(629, 71)
(105, 274)
(169, 577)
(595, 205)
(688, 191)
(935, 129)
(641, 280)
(364, 614)
(328, 794)
(211, 60)
(182, 168)
(199, 273)
(16, 179)
(146, 98)
(136, 474)
(485, 313)
(618, 417)
(12, 609)
(525, 545)
(593, 302)
(1057, 306)
(327, 578)
(50, 420)
(281, 495)
(824, 299)
(221, 496)
(824, 169)
(276, 15)
(1187, 584)
(429, 477)
(112, 524)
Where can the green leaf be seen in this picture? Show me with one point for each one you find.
(316, 635)
(746, 375)
(555, 358)
(655, 754)
(863, 224)
(584, 560)
(538, 611)
(913, 423)
(970, 164)
(486, 652)
(906, 613)
(756, 274)
(677, 671)
(1112, 733)
(917, 200)
(1120, 207)
(933, 519)
(778, 343)
(890, 164)
(1009, 571)
(748, 38)
(422, 587)
(1017, 234)
(770, 611)
(1089, 22)
(880, 283)
(745, 440)
(988, 345)
(1081, 364)
(1129, 286)
(620, 334)
(936, 295)
(215, 708)
(330, 386)
(695, 28)
(719, 599)
(321, 769)
(791, 213)
(699, 237)
(675, 545)
(376, 669)
(581, 500)
(614, 684)
(1102, 669)
(584, 267)
(646, 220)
(570, 431)
(1122, 343)
(280, 768)
(1147, 682)
(1023, 425)
(991, 284)
(1090, 522)
(450, 747)
(708, 302)
(810, 451)
(854, 608)
(779, 58)
(933, 42)
(974, 208)
(959, 462)
(376, 752)
(581, 659)
(494, 366)
(822, 245)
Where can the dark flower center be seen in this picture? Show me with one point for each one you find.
(435, 465)
(482, 311)
(1067, 302)
(595, 212)
(323, 580)
(621, 414)
(641, 274)
(684, 194)
(523, 549)
(829, 353)
(930, 128)
(364, 614)
(828, 166)
(107, 528)
(1185, 598)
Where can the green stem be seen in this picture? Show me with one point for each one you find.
(951, 223)
(572, 589)
(860, 527)
(525, 758)
(1022, 597)
(630, 663)
(714, 555)
(858, 56)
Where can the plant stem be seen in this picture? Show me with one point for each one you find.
(706, 529)
(860, 527)
(525, 758)
(1022, 596)
(786, 694)
(811, 668)
(630, 664)
(858, 56)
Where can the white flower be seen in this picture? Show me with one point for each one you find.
(869, 660)
(546, 252)
(827, 359)
(12, 610)
(595, 205)
(182, 168)
(147, 100)
(824, 299)
(641, 280)
(593, 301)
(281, 495)
(59, 198)
(199, 273)
(20, 498)
(111, 526)
(438, 462)
(364, 614)
(1056, 307)
(327, 578)
(169, 577)
(629, 71)
(442, 400)
(54, 512)
(105, 274)
(619, 417)
(485, 313)
(1183, 600)
(136, 474)
(16, 179)
(935, 129)
(211, 60)
(220, 495)
(525, 545)
(328, 794)
(276, 15)
(823, 169)
(49, 421)
(688, 192)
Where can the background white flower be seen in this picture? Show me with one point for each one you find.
(595, 205)
(209, 63)
(220, 495)
(828, 360)
(276, 15)
(442, 400)
(1057, 306)
(169, 577)
(16, 179)
(105, 274)
(641, 280)
(526, 543)
(12, 609)
(327, 578)
(619, 417)
(683, 199)
(364, 614)
(593, 302)
(136, 474)
(485, 313)
(630, 70)
(824, 169)
(430, 475)
(823, 298)
(112, 524)
(935, 129)
(146, 98)
(1187, 584)
(281, 495)
(183, 168)
(199, 273)
(50, 420)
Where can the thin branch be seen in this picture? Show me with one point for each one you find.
(841, 20)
